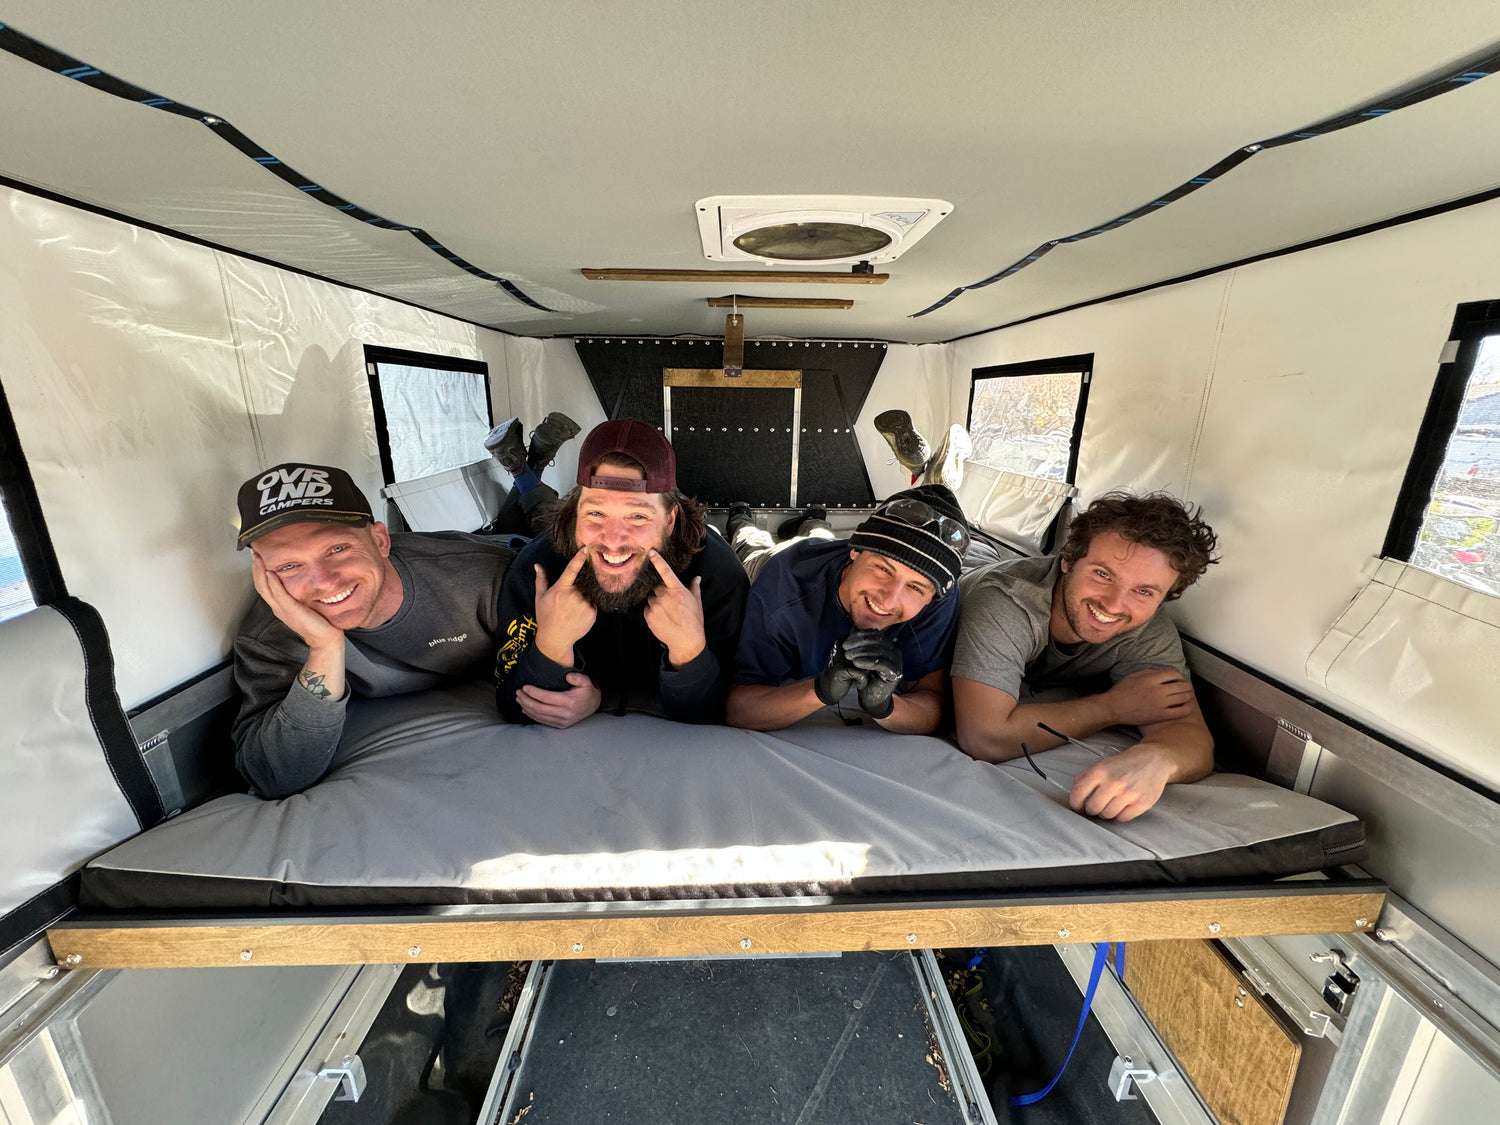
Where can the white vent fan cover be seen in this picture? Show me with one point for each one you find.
(723, 218)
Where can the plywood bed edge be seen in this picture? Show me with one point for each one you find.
(712, 928)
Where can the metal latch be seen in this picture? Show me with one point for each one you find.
(1122, 1072)
(350, 1075)
(1338, 989)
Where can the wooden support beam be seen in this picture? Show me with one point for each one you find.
(734, 345)
(740, 277)
(714, 377)
(779, 302)
(592, 930)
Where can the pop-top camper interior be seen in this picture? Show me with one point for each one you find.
(1241, 254)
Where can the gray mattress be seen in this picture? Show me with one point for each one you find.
(433, 800)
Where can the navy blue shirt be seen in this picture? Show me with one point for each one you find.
(794, 617)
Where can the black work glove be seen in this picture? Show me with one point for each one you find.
(839, 675)
(879, 658)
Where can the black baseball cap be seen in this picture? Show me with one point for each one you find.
(297, 493)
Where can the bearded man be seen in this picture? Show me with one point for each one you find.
(1086, 615)
(628, 601)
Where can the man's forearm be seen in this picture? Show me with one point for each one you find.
(999, 740)
(768, 707)
(917, 712)
(1185, 743)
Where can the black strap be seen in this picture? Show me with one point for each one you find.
(110, 724)
(37, 913)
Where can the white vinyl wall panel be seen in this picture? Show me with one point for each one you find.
(148, 377)
(1152, 357)
(1310, 374)
(915, 378)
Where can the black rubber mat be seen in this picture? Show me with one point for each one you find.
(815, 1041)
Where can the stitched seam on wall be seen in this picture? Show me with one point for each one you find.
(239, 359)
(1208, 386)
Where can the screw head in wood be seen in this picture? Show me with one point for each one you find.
(911, 939)
(1063, 933)
(1214, 927)
(745, 943)
(578, 947)
(414, 951)
(245, 955)
(74, 959)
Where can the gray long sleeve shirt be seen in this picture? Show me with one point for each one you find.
(285, 736)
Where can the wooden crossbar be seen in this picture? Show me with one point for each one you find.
(644, 930)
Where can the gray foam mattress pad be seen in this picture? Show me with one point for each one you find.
(433, 800)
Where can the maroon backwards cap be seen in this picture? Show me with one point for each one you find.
(636, 440)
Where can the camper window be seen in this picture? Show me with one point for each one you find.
(1026, 418)
(15, 591)
(432, 412)
(1448, 519)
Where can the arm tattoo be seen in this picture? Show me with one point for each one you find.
(313, 682)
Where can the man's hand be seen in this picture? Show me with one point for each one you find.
(315, 630)
(560, 709)
(1124, 785)
(879, 658)
(839, 674)
(1154, 695)
(563, 615)
(674, 613)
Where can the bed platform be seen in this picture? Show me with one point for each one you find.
(442, 833)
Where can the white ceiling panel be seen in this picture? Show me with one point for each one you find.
(536, 139)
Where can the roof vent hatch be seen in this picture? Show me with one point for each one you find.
(817, 229)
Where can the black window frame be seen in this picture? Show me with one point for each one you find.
(374, 356)
(1060, 365)
(1472, 324)
(24, 509)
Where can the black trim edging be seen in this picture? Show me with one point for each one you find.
(110, 724)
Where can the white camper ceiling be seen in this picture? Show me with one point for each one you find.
(535, 139)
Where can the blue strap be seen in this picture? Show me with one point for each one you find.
(1101, 954)
(1120, 961)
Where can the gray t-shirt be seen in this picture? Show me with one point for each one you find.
(444, 631)
(1004, 636)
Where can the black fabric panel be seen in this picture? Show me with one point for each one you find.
(37, 913)
(108, 888)
(24, 507)
(726, 450)
(734, 445)
(110, 724)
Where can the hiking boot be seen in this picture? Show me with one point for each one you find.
(548, 438)
(505, 445)
(792, 526)
(947, 464)
(910, 447)
(740, 516)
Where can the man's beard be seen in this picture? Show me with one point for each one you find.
(646, 580)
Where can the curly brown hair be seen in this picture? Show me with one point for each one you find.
(1157, 520)
(686, 540)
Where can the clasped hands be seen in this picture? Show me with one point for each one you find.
(868, 661)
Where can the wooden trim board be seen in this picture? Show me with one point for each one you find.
(739, 277)
(779, 302)
(715, 377)
(1230, 1041)
(594, 930)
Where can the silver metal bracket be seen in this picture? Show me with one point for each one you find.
(1123, 1072)
(349, 1072)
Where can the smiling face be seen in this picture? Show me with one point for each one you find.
(619, 528)
(1114, 588)
(878, 592)
(342, 572)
